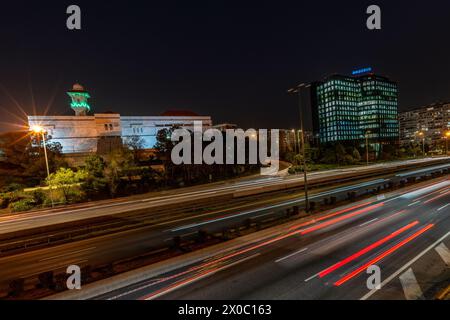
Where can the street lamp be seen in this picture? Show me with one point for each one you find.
(40, 130)
(298, 91)
(446, 137)
(421, 134)
(295, 140)
(367, 146)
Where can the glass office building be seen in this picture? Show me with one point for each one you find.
(347, 108)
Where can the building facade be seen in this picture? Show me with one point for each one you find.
(433, 121)
(101, 132)
(349, 108)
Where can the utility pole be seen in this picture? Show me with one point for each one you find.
(40, 130)
(367, 147)
(298, 90)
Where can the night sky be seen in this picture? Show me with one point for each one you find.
(232, 60)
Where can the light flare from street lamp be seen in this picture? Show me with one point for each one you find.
(37, 129)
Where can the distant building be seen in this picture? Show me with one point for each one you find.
(432, 120)
(347, 108)
(290, 141)
(101, 132)
(225, 126)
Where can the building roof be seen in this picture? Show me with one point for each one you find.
(179, 113)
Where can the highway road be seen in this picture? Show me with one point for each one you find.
(121, 245)
(99, 250)
(326, 258)
(45, 218)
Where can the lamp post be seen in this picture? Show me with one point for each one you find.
(367, 146)
(446, 137)
(39, 130)
(421, 134)
(298, 91)
(295, 140)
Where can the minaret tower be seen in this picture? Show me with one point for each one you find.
(79, 102)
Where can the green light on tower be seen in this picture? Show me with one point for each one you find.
(79, 98)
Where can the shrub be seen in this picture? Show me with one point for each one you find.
(38, 197)
(13, 187)
(5, 199)
(23, 205)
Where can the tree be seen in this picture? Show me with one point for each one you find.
(119, 161)
(340, 153)
(64, 179)
(356, 155)
(164, 144)
(328, 156)
(95, 165)
(389, 152)
(136, 144)
(95, 182)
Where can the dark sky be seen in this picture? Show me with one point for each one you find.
(232, 60)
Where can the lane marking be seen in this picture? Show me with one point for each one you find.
(443, 207)
(341, 218)
(411, 204)
(329, 215)
(59, 266)
(195, 278)
(152, 283)
(407, 265)
(282, 204)
(367, 249)
(410, 286)
(66, 254)
(291, 255)
(368, 222)
(312, 277)
(444, 253)
(383, 255)
(262, 215)
(428, 189)
(437, 197)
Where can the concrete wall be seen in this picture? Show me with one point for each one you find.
(80, 134)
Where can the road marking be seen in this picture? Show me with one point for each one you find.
(264, 214)
(366, 223)
(444, 252)
(152, 283)
(281, 204)
(428, 189)
(291, 255)
(411, 204)
(383, 255)
(66, 254)
(312, 277)
(443, 207)
(410, 285)
(407, 265)
(366, 249)
(55, 267)
(183, 283)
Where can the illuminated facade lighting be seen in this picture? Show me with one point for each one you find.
(347, 108)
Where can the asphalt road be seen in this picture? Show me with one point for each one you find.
(43, 218)
(120, 245)
(326, 258)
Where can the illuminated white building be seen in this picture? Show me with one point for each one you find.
(101, 132)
